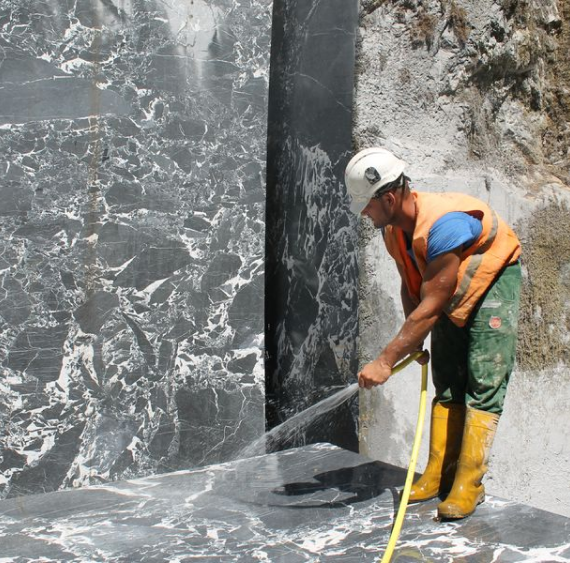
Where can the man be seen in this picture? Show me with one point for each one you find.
(459, 264)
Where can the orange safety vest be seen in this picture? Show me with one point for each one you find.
(496, 247)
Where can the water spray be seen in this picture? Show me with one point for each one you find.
(287, 429)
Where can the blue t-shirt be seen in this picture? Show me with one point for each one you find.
(449, 232)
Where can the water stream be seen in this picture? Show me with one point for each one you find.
(287, 430)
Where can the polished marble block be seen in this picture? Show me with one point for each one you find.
(311, 276)
(132, 227)
(312, 504)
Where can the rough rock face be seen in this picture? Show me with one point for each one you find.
(475, 96)
(503, 65)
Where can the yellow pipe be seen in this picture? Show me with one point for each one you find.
(413, 459)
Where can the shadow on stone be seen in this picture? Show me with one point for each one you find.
(364, 482)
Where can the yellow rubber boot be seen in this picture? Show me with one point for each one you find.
(446, 430)
(468, 490)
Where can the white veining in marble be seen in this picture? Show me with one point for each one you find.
(313, 504)
(133, 152)
(311, 251)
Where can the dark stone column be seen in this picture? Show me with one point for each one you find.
(311, 278)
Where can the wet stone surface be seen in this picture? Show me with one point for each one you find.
(317, 503)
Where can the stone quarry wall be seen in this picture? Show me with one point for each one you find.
(134, 304)
(311, 267)
(474, 95)
(133, 152)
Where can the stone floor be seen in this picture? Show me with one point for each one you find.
(318, 503)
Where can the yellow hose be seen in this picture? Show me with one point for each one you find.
(413, 459)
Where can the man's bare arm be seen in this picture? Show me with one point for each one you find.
(439, 283)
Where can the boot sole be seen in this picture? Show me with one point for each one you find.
(459, 515)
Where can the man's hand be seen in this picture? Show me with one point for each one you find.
(374, 373)
(424, 358)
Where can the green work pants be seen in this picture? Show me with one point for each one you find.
(472, 365)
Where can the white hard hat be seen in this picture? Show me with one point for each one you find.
(367, 172)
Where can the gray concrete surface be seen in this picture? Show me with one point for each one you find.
(448, 87)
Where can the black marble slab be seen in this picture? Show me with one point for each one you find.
(311, 273)
(133, 153)
(312, 504)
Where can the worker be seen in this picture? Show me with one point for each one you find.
(461, 277)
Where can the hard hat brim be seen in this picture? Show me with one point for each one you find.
(357, 205)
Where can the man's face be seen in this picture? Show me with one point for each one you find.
(379, 211)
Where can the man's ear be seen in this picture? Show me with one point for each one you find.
(390, 199)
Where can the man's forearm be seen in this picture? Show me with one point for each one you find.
(438, 285)
(414, 331)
